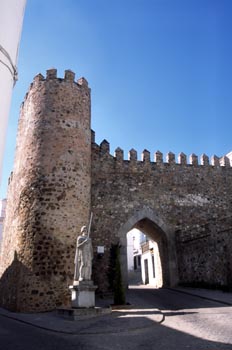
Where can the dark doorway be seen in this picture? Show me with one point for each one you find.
(146, 271)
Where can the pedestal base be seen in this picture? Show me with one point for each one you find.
(83, 294)
(75, 314)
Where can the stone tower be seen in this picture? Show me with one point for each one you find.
(49, 193)
(61, 174)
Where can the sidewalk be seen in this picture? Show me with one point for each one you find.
(214, 295)
(129, 318)
(124, 319)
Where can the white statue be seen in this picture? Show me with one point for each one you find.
(83, 257)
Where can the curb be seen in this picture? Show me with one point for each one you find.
(36, 325)
(82, 331)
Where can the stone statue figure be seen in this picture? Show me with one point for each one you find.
(83, 257)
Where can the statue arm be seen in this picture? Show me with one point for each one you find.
(80, 244)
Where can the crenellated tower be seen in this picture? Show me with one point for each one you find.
(49, 193)
(61, 174)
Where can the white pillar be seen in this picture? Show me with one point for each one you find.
(11, 20)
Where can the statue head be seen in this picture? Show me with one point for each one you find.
(84, 230)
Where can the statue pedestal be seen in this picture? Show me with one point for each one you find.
(83, 294)
(82, 302)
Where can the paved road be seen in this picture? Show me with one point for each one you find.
(186, 322)
(192, 315)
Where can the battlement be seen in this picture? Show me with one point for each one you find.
(51, 76)
(69, 76)
(158, 158)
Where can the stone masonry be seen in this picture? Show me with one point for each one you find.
(60, 175)
(49, 193)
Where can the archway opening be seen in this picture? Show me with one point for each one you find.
(143, 260)
(147, 255)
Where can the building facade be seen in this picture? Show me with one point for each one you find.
(134, 253)
(229, 156)
(151, 269)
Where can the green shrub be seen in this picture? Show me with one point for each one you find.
(115, 275)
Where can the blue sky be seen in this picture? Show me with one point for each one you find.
(160, 70)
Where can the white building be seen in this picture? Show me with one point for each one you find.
(151, 268)
(2, 215)
(229, 155)
(143, 259)
(134, 252)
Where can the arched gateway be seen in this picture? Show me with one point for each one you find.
(152, 225)
(61, 175)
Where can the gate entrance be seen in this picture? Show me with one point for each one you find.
(143, 260)
(157, 262)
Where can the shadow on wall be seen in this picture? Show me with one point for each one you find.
(9, 284)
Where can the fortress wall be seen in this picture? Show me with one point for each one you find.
(58, 179)
(205, 254)
(49, 194)
(191, 199)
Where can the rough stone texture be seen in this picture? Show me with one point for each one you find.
(185, 208)
(2, 215)
(58, 179)
(49, 194)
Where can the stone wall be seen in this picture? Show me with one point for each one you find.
(49, 193)
(205, 254)
(2, 215)
(188, 207)
(59, 178)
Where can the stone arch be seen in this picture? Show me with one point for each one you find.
(148, 221)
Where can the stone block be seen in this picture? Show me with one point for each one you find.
(83, 294)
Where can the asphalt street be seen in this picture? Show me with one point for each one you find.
(184, 322)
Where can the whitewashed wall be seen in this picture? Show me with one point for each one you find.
(11, 19)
